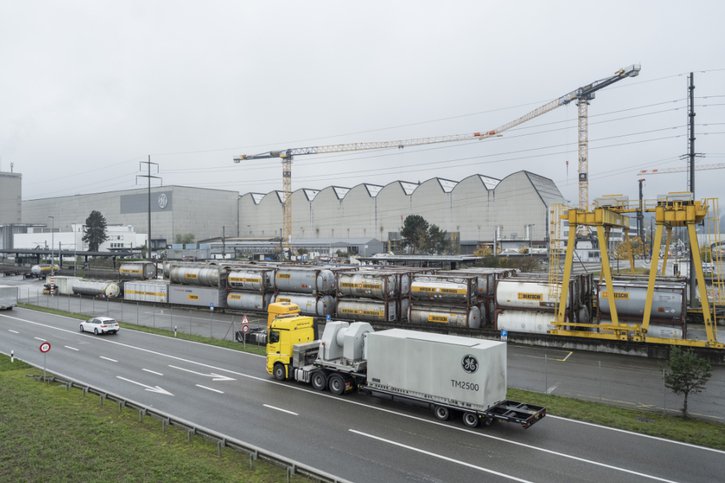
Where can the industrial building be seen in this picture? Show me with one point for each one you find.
(10, 207)
(175, 210)
(478, 209)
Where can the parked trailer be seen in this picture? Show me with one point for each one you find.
(8, 297)
(43, 270)
(449, 374)
(146, 291)
(96, 288)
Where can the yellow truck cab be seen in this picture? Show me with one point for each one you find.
(285, 329)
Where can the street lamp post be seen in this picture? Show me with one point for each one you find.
(52, 243)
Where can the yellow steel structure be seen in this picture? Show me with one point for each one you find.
(670, 211)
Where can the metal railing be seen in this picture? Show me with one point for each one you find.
(192, 429)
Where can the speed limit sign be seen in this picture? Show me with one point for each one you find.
(45, 347)
(245, 328)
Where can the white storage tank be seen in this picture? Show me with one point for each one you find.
(535, 295)
(146, 291)
(452, 316)
(305, 280)
(108, 289)
(320, 306)
(137, 270)
(248, 301)
(373, 310)
(437, 368)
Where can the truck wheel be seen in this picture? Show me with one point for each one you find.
(470, 419)
(279, 372)
(337, 384)
(318, 380)
(442, 413)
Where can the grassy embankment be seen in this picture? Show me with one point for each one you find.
(651, 422)
(48, 433)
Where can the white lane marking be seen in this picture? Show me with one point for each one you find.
(375, 408)
(152, 372)
(210, 389)
(71, 348)
(215, 377)
(280, 409)
(13, 331)
(40, 339)
(444, 458)
(156, 389)
(567, 356)
(108, 358)
(552, 389)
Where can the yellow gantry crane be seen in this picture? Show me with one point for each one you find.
(582, 95)
(674, 210)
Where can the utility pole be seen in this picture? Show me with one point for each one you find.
(148, 176)
(224, 249)
(691, 174)
(640, 215)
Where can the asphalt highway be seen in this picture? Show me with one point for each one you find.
(356, 437)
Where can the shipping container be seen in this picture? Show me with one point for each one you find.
(146, 291)
(197, 296)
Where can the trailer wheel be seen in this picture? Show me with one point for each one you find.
(442, 413)
(336, 383)
(470, 419)
(318, 380)
(488, 421)
(279, 372)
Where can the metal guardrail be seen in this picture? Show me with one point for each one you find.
(193, 429)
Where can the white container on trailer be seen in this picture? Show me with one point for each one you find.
(8, 297)
(197, 296)
(458, 371)
(65, 284)
(146, 291)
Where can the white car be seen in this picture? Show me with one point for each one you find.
(100, 325)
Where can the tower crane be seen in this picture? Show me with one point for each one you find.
(700, 167)
(582, 95)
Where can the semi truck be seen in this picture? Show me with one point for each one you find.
(8, 297)
(451, 375)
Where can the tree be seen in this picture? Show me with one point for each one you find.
(437, 240)
(415, 233)
(94, 233)
(686, 373)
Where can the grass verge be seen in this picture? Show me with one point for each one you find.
(48, 433)
(650, 422)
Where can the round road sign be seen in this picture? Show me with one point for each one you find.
(44, 347)
(245, 328)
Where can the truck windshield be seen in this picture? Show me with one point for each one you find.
(273, 337)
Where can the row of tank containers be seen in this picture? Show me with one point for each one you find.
(501, 298)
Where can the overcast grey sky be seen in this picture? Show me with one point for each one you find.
(90, 88)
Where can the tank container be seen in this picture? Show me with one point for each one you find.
(311, 280)
(452, 316)
(526, 321)
(96, 287)
(320, 306)
(443, 289)
(137, 270)
(209, 277)
(376, 285)
(668, 300)
(373, 310)
(252, 280)
(512, 293)
(248, 301)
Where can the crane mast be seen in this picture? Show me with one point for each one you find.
(582, 95)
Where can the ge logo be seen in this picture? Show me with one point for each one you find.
(163, 201)
(469, 363)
